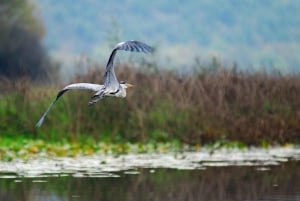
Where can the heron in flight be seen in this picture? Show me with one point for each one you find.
(111, 86)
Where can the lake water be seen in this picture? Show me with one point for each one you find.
(254, 174)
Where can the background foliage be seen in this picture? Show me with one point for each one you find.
(21, 51)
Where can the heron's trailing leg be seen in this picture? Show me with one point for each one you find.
(93, 102)
(95, 99)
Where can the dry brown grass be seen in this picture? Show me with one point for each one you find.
(197, 108)
(247, 107)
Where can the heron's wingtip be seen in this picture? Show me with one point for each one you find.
(40, 122)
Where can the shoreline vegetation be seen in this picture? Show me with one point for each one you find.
(26, 149)
(207, 106)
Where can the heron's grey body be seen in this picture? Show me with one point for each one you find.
(111, 87)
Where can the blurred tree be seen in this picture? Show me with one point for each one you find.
(21, 51)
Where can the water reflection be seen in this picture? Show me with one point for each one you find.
(280, 182)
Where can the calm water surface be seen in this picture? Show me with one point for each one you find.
(232, 182)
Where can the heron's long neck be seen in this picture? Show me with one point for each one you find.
(111, 58)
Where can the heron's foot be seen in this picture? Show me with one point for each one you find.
(92, 102)
(95, 99)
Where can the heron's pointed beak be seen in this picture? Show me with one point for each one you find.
(129, 85)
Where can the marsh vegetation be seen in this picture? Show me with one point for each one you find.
(209, 104)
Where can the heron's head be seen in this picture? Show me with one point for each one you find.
(125, 85)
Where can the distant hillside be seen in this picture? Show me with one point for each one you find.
(249, 32)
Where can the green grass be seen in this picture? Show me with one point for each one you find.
(20, 147)
(24, 148)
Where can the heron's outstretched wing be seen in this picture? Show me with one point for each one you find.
(82, 86)
(110, 81)
(134, 46)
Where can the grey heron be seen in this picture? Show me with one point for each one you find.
(111, 86)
